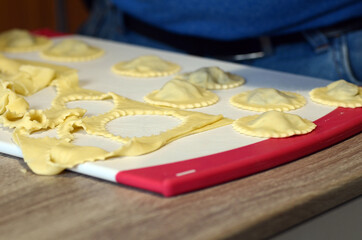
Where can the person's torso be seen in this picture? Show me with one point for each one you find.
(230, 19)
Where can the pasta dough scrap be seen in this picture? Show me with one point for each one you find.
(339, 93)
(28, 77)
(212, 78)
(146, 66)
(72, 50)
(49, 156)
(43, 154)
(266, 99)
(19, 78)
(273, 124)
(181, 94)
(17, 40)
(11, 66)
(11, 102)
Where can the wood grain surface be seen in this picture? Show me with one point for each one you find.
(73, 206)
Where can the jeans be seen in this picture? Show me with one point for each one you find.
(340, 57)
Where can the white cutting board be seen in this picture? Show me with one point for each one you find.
(97, 75)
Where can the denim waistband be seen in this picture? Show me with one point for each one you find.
(240, 49)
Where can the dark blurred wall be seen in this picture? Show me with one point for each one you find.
(61, 15)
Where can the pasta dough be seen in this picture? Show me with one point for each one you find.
(27, 77)
(273, 124)
(48, 156)
(19, 78)
(18, 40)
(72, 50)
(266, 99)
(146, 66)
(212, 78)
(181, 94)
(339, 93)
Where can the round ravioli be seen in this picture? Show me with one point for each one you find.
(181, 94)
(267, 99)
(72, 50)
(146, 66)
(340, 94)
(18, 41)
(212, 78)
(273, 124)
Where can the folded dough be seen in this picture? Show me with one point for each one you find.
(48, 156)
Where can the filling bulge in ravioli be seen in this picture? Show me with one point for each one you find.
(181, 94)
(273, 124)
(30, 79)
(339, 93)
(20, 78)
(266, 99)
(146, 66)
(212, 78)
(72, 50)
(17, 40)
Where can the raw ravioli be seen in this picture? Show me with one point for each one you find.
(18, 41)
(146, 66)
(181, 94)
(212, 78)
(72, 50)
(266, 99)
(339, 93)
(273, 124)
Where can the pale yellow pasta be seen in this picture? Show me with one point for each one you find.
(72, 50)
(49, 156)
(212, 78)
(181, 94)
(266, 99)
(339, 93)
(273, 124)
(146, 66)
(17, 41)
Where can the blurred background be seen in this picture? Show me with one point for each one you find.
(60, 15)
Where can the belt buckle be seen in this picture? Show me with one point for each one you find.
(265, 50)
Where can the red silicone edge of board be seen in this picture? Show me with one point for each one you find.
(48, 33)
(194, 174)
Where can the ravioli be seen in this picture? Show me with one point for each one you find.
(339, 94)
(146, 66)
(274, 124)
(18, 41)
(72, 50)
(267, 99)
(181, 94)
(49, 156)
(212, 78)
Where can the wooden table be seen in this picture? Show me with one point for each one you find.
(79, 207)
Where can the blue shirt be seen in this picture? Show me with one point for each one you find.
(233, 19)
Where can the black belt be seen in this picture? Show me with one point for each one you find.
(227, 50)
